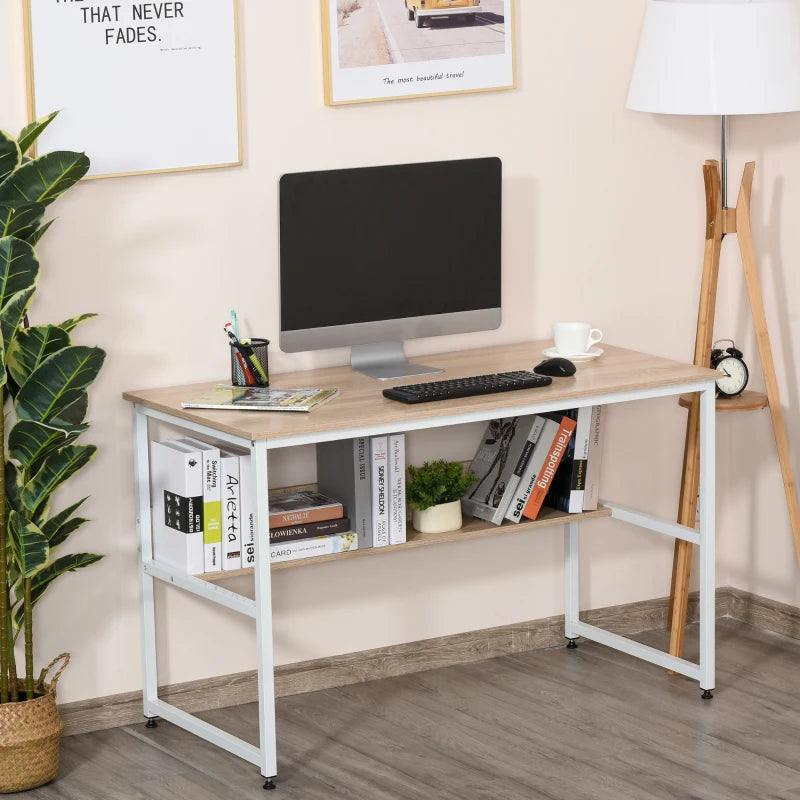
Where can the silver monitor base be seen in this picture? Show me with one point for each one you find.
(385, 361)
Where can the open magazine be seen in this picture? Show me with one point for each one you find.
(258, 398)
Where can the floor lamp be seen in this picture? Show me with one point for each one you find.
(722, 58)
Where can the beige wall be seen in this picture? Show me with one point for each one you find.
(603, 219)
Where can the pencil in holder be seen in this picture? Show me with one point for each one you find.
(249, 363)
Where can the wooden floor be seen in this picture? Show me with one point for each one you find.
(585, 724)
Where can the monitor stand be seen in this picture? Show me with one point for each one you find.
(385, 361)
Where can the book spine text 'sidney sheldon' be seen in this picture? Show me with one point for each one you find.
(380, 490)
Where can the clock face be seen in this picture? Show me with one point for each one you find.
(733, 376)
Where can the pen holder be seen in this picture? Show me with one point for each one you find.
(249, 363)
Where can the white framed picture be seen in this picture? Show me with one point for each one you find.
(391, 49)
(140, 86)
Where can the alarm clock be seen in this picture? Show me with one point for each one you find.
(734, 372)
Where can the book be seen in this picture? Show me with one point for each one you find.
(379, 471)
(176, 481)
(308, 548)
(231, 509)
(593, 460)
(554, 455)
(309, 530)
(261, 398)
(343, 472)
(497, 466)
(566, 489)
(247, 488)
(294, 508)
(534, 466)
(397, 488)
(212, 501)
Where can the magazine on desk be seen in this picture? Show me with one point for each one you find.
(261, 398)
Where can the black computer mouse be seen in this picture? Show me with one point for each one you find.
(555, 367)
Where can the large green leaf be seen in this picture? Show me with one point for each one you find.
(33, 239)
(29, 442)
(21, 220)
(45, 178)
(72, 417)
(61, 525)
(31, 346)
(56, 469)
(10, 155)
(72, 322)
(45, 576)
(58, 382)
(29, 547)
(29, 134)
(19, 267)
(12, 314)
(14, 486)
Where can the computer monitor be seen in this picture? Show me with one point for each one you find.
(372, 256)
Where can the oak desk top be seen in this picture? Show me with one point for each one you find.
(360, 403)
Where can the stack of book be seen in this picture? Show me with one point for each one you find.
(368, 475)
(204, 511)
(526, 462)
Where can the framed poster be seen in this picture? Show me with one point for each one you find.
(141, 86)
(388, 49)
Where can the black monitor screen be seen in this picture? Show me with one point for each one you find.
(378, 243)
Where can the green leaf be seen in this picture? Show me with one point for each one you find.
(45, 178)
(45, 576)
(13, 486)
(10, 156)
(12, 314)
(33, 239)
(21, 220)
(72, 417)
(61, 525)
(29, 134)
(29, 547)
(69, 324)
(19, 267)
(31, 346)
(58, 382)
(29, 442)
(56, 469)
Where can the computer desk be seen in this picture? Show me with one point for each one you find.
(619, 375)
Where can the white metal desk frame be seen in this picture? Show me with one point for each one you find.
(260, 608)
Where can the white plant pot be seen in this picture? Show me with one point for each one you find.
(438, 519)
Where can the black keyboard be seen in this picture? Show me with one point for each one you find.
(466, 387)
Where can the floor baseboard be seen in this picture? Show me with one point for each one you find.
(325, 673)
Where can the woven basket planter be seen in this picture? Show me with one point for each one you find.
(30, 734)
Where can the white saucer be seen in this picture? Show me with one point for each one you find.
(577, 358)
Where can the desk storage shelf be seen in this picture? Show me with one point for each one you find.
(361, 410)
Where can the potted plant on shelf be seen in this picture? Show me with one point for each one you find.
(45, 380)
(434, 493)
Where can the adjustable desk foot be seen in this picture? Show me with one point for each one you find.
(571, 645)
(706, 695)
(269, 784)
(151, 722)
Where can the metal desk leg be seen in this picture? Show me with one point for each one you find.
(263, 584)
(571, 580)
(141, 469)
(707, 555)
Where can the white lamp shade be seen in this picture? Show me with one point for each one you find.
(724, 57)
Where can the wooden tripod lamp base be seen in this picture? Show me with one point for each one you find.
(719, 222)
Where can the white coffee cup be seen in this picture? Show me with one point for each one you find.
(575, 338)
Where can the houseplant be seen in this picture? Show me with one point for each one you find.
(44, 379)
(434, 493)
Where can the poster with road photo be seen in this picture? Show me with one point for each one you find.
(390, 49)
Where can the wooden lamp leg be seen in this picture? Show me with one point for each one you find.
(745, 237)
(690, 479)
